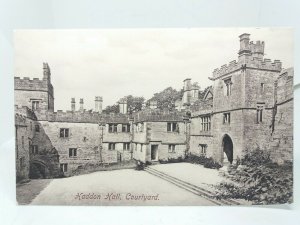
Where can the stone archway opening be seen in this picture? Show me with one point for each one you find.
(227, 146)
(38, 171)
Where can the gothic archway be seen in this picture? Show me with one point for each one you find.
(227, 146)
(38, 170)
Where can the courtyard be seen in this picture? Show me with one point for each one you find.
(123, 187)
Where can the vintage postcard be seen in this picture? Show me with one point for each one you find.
(145, 117)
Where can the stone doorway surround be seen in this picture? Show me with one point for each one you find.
(227, 149)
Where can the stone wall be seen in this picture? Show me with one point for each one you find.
(199, 137)
(24, 133)
(46, 158)
(155, 133)
(281, 144)
(24, 98)
(86, 138)
(35, 89)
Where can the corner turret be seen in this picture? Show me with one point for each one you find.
(47, 72)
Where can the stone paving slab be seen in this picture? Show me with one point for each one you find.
(191, 173)
(93, 189)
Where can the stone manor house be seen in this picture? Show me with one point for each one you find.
(250, 105)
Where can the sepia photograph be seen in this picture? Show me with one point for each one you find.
(154, 117)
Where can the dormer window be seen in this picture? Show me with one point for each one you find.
(228, 84)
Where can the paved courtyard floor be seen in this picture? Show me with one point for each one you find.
(192, 173)
(122, 187)
(118, 187)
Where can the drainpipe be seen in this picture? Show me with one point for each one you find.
(187, 122)
(131, 136)
(102, 127)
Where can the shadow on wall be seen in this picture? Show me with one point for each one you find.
(44, 158)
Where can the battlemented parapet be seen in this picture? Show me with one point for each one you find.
(82, 117)
(35, 84)
(252, 63)
(250, 57)
(35, 93)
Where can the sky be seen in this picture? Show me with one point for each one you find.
(113, 63)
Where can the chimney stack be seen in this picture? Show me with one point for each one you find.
(123, 106)
(245, 50)
(187, 85)
(98, 104)
(73, 108)
(81, 104)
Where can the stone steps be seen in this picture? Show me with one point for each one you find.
(190, 187)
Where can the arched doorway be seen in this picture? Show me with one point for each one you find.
(38, 170)
(227, 146)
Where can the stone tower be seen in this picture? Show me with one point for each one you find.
(243, 101)
(37, 94)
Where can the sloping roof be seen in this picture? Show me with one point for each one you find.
(208, 90)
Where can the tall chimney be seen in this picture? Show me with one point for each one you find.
(123, 106)
(245, 49)
(186, 91)
(81, 104)
(98, 104)
(73, 108)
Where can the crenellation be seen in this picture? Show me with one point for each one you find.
(253, 63)
(84, 117)
(226, 110)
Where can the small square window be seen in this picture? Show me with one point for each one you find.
(111, 146)
(64, 132)
(35, 105)
(37, 128)
(171, 148)
(64, 167)
(202, 148)
(172, 127)
(72, 152)
(126, 146)
(112, 128)
(126, 128)
(226, 118)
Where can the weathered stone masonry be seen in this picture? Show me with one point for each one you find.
(250, 105)
(247, 96)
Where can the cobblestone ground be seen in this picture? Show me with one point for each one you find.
(120, 187)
